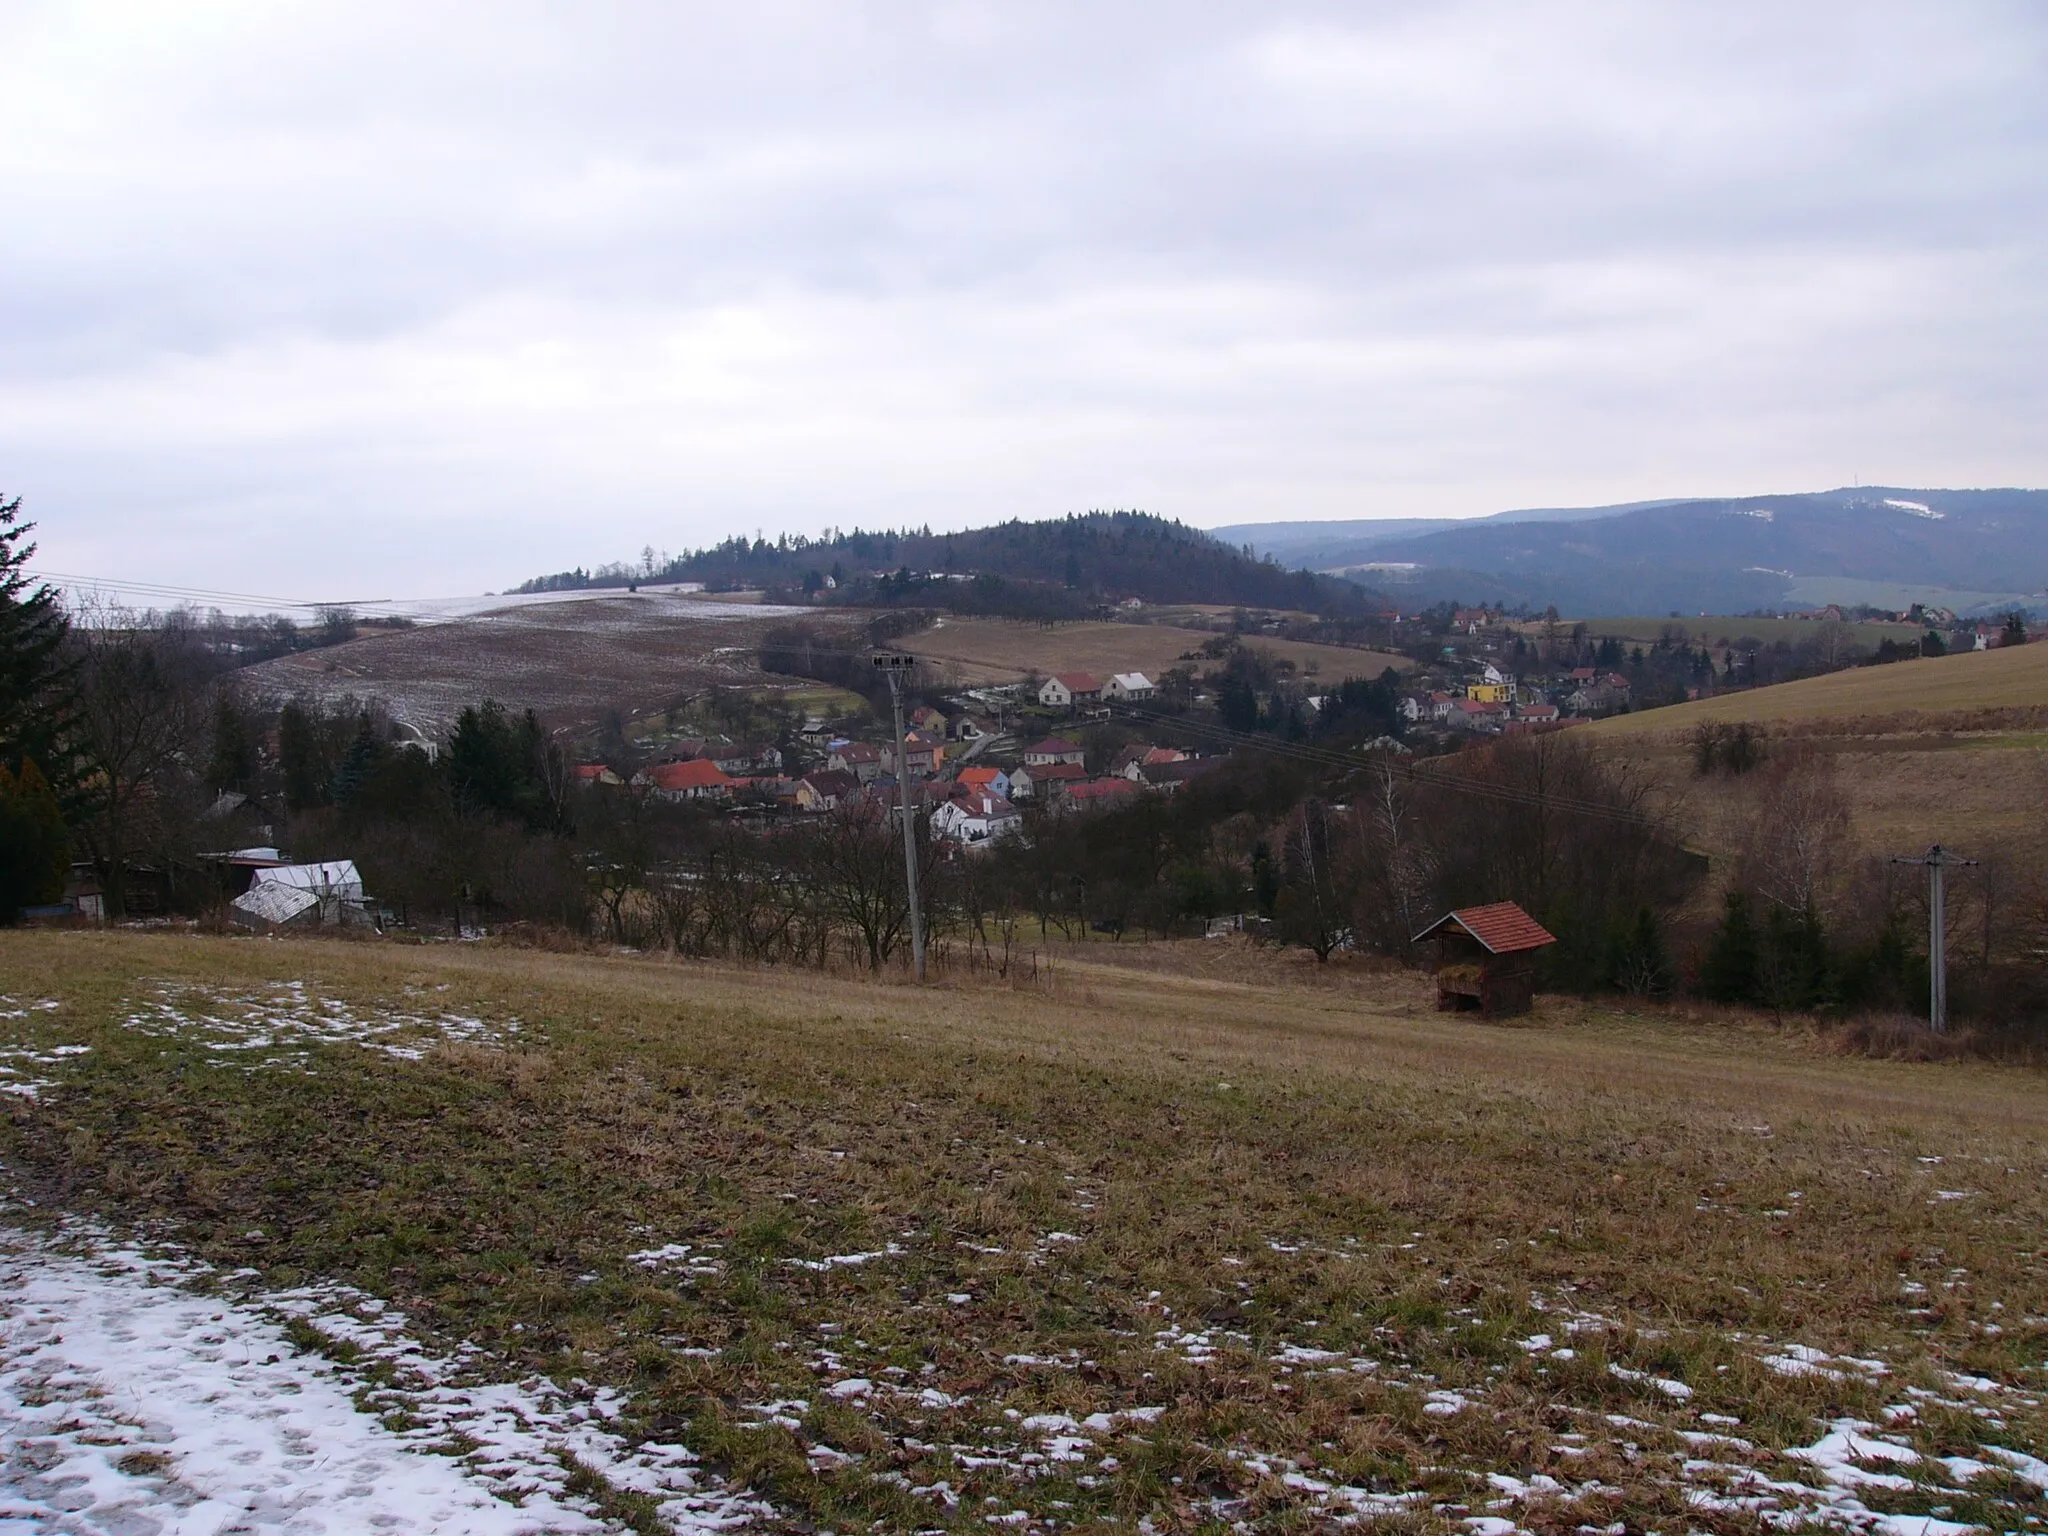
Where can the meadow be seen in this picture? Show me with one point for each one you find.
(1006, 650)
(1161, 1244)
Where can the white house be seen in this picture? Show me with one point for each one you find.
(1128, 685)
(1068, 689)
(972, 820)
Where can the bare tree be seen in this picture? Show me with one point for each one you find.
(1799, 835)
(139, 714)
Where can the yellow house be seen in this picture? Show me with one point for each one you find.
(1491, 693)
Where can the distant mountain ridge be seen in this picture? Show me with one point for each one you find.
(1968, 549)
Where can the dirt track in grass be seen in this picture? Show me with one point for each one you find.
(1124, 1244)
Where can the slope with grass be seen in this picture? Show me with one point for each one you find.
(1944, 691)
(1118, 1245)
(1004, 651)
(1946, 749)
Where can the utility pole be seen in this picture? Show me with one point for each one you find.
(1936, 859)
(893, 666)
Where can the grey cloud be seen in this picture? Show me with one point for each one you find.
(401, 280)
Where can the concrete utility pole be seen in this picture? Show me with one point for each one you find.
(893, 666)
(1937, 859)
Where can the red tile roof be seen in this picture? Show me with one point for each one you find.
(1079, 682)
(1503, 928)
(1057, 773)
(697, 773)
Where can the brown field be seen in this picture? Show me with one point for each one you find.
(1718, 630)
(1939, 687)
(1003, 651)
(1123, 1243)
(1947, 749)
(567, 661)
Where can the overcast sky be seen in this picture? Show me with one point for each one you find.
(366, 300)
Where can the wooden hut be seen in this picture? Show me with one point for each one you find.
(1485, 958)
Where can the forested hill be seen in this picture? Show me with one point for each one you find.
(1058, 568)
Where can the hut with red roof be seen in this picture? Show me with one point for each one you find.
(1485, 958)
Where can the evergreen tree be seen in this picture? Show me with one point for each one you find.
(231, 760)
(33, 674)
(35, 850)
(300, 758)
(2015, 632)
(365, 752)
(1730, 972)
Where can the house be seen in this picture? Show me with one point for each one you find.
(1067, 689)
(1132, 762)
(1054, 749)
(596, 773)
(1485, 958)
(930, 721)
(1096, 794)
(744, 757)
(967, 728)
(697, 779)
(1541, 714)
(1440, 704)
(982, 779)
(1474, 715)
(1057, 777)
(1491, 693)
(826, 790)
(858, 758)
(976, 820)
(923, 753)
(1169, 777)
(1128, 686)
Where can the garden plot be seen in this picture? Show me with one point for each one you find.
(278, 1026)
(143, 1394)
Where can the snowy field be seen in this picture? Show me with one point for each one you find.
(142, 1395)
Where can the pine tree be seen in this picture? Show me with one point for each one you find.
(33, 673)
(35, 850)
(1730, 972)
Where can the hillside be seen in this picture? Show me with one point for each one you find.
(568, 661)
(1971, 550)
(1947, 749)
(1058, 568)
(1003, 651)
(1935, 686)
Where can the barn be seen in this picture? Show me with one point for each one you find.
(1485, 958)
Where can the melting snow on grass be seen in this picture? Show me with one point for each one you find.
(278, 1026)
(131, 1401)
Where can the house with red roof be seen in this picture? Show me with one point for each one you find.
(697, 779)
(1066, 689)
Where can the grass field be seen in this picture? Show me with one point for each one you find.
(1947, 749)
(1003, 651)
(1125, 1244)
(1935, 686)
(1720, 630)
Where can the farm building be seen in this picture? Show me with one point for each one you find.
(1485, 958)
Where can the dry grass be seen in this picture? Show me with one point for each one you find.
(1159, 1182)
(1718, 630)
(1003, 651)
(2015, 678)
(567, 661)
